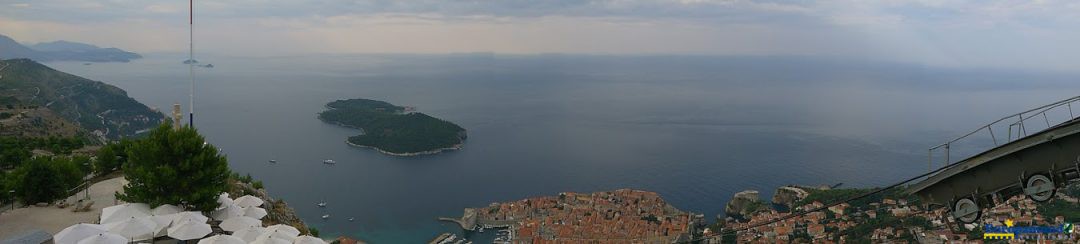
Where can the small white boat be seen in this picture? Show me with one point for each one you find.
(329, 161)
(273, 161)
(321, 204)
(327, 216)
(351, 219)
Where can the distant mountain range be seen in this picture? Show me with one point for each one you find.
(63, 51)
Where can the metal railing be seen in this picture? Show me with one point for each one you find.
(1016, 123)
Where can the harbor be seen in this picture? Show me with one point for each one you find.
(448, 238)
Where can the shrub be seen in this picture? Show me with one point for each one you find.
(45, 179)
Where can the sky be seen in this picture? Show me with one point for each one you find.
(1032, 34)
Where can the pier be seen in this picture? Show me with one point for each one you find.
(467, 220)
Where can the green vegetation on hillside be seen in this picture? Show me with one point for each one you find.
(1059, 207)
(389, 128)
(44, 178)
(92, 105)
(14, 151)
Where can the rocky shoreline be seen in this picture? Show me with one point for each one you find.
(747, 203)
(412, 154)
(278, 212)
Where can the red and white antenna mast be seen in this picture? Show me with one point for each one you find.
(191, 61)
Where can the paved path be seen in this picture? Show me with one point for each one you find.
(52, 219)
(2, 69)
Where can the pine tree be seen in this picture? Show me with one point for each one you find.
(175, 166)
(106, 160)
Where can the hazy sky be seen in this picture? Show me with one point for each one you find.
(1026, 34)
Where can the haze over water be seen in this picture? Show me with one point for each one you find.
(695, 129)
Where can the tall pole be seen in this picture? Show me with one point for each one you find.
(191, 63)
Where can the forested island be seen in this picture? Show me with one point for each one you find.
(392, 129)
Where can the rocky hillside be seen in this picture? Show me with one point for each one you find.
(100, 109)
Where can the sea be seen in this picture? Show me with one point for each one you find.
(695, 129)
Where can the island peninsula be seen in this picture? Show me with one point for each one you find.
(393, 130)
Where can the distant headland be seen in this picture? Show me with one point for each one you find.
(63, 51)
(393, 130)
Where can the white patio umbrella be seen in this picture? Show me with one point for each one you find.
(165, 209)
(285, 229)
(77, 232)
(222, 239)
(255, 212)
(123, 212)
(224, 200)
(228, 212)
(248, 201)
(136, 229)
(279, 234)
(189, 230)
(189, 216)
(104, 238)
(249, 234)
(239, 223)
(163, 222)
(270, 240)
(308, 240)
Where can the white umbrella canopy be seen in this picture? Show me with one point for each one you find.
(285, 229)
(232, 210)
(165, 210)
(308, 240)
(222, 239)
(136, 229)
(224, 200)
(123, 212)
(278, 234)
(189, 216)
(270, 240)
(189, 230)
(163, 222)
(239, 223)
(104, 238)
(248, 201)
(255, 212)
(249, 234)
(75, 233)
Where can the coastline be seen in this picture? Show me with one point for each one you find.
(458, 146)
(412, 154)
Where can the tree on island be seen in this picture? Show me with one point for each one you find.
(175, 166)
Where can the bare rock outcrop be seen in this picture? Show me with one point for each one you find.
(745, 203)
(788, 195)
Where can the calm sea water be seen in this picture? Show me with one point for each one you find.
(694, 129)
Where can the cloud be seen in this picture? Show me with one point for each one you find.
(162, 8)
(996, 33)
